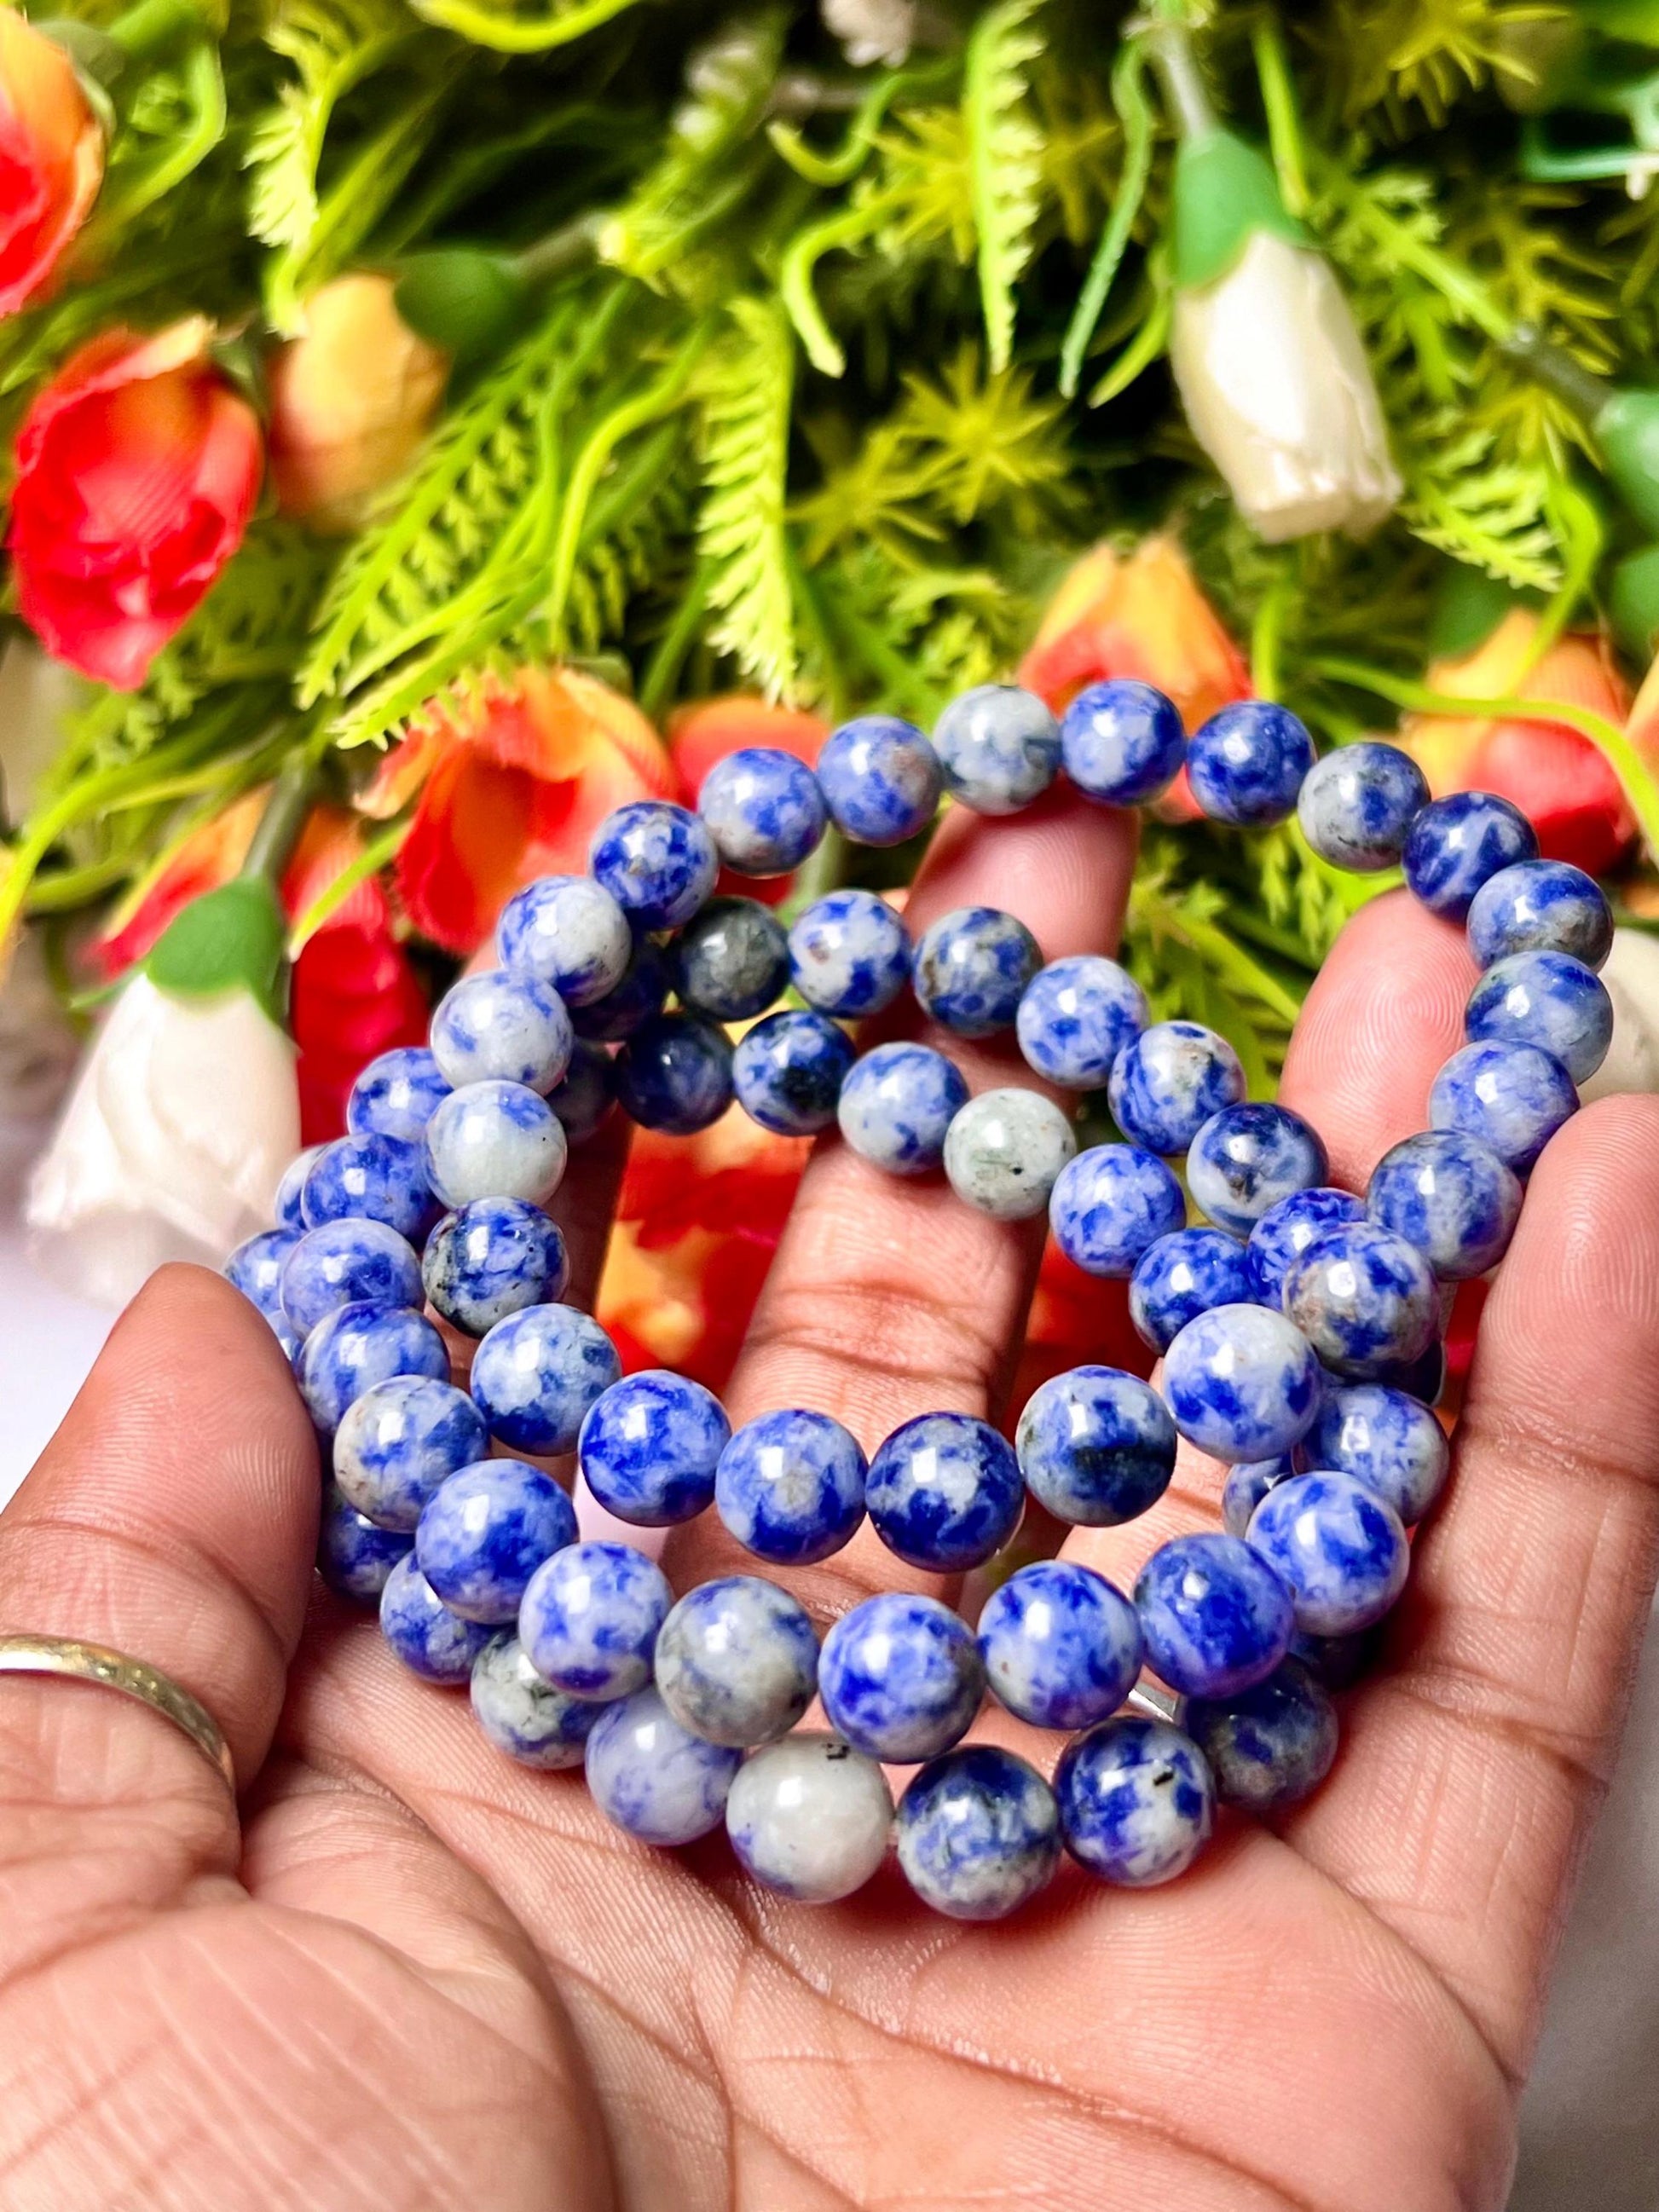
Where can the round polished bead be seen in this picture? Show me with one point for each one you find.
(763, 809)
(1247, 763)
(656, 860)
(1364, 1299)
(289, 1206)
(978, 1833)
(1511, 1096)
(1357, 805)
(497, 1028)
(649, 1446)
(1544, 999)
(1337, 1663)
(1061, 1645)
(1110, 1205)
(1136, 1801)
(568, 934)
(900, 1677)
(430, 1639)
(1459, 842)
(486, 1531)
(810, 1817)
(537, 1373)
(1215, 1615)
(1248, 1158)
(495, 1140)
(998, 748)
(880, 779)
(675, 1074)
(732, 962)
(896, 1106)
(1384, 1439)
(1247, 1484)
(590, 1617)
(1284, 1232)
(1242, 1382)
(1097, 1447)
(354, 1556)
(490, 1259)
(1337, 1547)
(355, 1347)
(1269, 1746)
(255, 1268)
(1423, 1379)
(348, 1262)
(396, 1095)
(1541, 906)
(635, 999)
(1451, 1196)
(1004, 1152)
(788, 1072)
(1121, 742)
(652, 1777)
(400, 1443)
(1171, 1079)
(737, 1661)
(584, 1094)
(369, 1178)
(1076, 1017)
(1183, 1275)
(533, 1723)
(945, 1491)
(971, 969)
(849, 954)
(790, 1487)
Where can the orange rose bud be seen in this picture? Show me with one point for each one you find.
(1143, 617)
(51, 160)
(350, 401)
(706, 732)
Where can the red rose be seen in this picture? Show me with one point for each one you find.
(137, 469)
(51, 159)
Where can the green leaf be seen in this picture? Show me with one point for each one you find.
(513, 29)
(333, 45)
(747, 406)
(1004, 153)
(230, 938)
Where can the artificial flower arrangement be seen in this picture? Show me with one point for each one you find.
(433, 423)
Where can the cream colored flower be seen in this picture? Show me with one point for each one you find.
(1632, 976)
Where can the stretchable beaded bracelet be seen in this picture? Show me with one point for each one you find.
(1300, 1331)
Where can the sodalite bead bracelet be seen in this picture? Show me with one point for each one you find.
(1300, 1325)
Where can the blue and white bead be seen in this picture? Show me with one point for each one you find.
(900, 1677)
(649, 1446)
(1284, 1232)
(1511, 1096)
(1459, 842)
(400, 1443)
(1110, 1205)
(675, 1074)
(657, 860)
(397, 1095)
(495, 1140)
(1136, 1801)
(971, 969)
(490, 1259)
(788, 1072)
(945, 1491)
(1076, 1017)
(585, 1094)
(732, 962)
(537, 1373)
(1182, 1276)
(1248, 1158)
(737, 1661)
(881, 780)
(652, 1777)
(1121, 742)
(1215, 1616)
(978, 1833)
(1269, 1746)
(639, 995)
(355, 1347)
(809, 1817)
(1097, 1447)
(289, 1205)
(998, 748)
(1247, 1484)
(431, 1641)
(1541, 906)
(1248, 762)
(590, 1617)
(568, 934)
(348, 1262)
(1544, 999)
(849, 954)
(1386, 1440)
(763, 809)
(1061, 1645)
(1364, 1299)
(486, 1531)
(533, 1723)
(497, 1028)
(255, 1268)
(1171, 1079)
(790, 1487)
(1004, 1152)
(898, 1103)
(354, 1556)
(1451, 1196)
(1242, 1383)
(369, 1178)
(1338, 1548)
(1357, 805)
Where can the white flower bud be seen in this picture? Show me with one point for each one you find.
(1632, 976)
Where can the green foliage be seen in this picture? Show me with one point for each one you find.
(1004, 160)
(747, 410)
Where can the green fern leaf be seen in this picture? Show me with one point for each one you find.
(741, 531)
(1005, 150)
(333, 45)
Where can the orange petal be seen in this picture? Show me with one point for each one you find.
(209, 856)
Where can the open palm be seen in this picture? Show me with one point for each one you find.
(413, 1975)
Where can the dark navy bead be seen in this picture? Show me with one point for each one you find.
(495, 1140)
(1247, 1484)
(355, 1347)
(584, 1096)
(897, 1105)
(1357, 805)
(1548, 1000)
(568, 933)
(1182, 1276)
(1338, 1548)
(675, 1074)
(978, 1833)
(486, 1531)
(1337, 1663)
(1097, 1447)
(732, 962)
(788, 1072)
(1511, 1096)
(493, 1258)
(1215, 1615)
(1284, 1232)
(790, 1487)
(1136, 1801)
(354, 1556)
(849, 954)
(637, 999)
(1110, 1205)
(649, 1447)
(396, 1094)
(255, 1268)
(1247, 1158)
(945, 1491)
(1242, 1382)
(881, 780)
(1076, 1017)
(431, 1641)
(737, 1661)
(370, 1178)
(1451, 1196)
(656, 860)
(1541, 906)
(1270, 1746)
(763, 809)
(346, 1263)
(1423, 1379)
(590, 1618)
(1061, 1645)
(900, 1677)
(1167, 1081)
(537, 1373)
(533, 1723)
(998, 747)
(1459, 842)
(1384, 1439)
(652, 1777)
(289, 1204)
(1121, 742)
(400, 1443)
(971, 969)
(1364, 1299)
(497, 1028)
(1246, 765)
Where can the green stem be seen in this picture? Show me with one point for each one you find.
(1183, 87)
(369, 862)
(805, 250)
(204, 128)
(152, 24)
(511, 34)
(278, 832)
(1284, 125)
(662, 670)
(1158, 915)
(1579, 524)
(1135, 113)
(569, 246)
(1265, 634)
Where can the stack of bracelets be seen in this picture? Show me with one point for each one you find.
(1300, 1333)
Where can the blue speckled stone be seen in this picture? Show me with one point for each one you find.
(344, 1263)
(1182, 1276)
(1357, 805)
(1061, 1645)
(763, 809)
(971, 969)
(1110, 1203)
(978, 1833)
(1545, 998)
(396, 1094)
(369, 1178)
(431, 1641)
(495, 1140)
(1121, 742)
(289, 1203)
(1284, 1232)
(900, 1677)
(1459, 842)
(1384, 1439)
(497, 1028)
(1451, 1196)
(849, 954)
(589, 1618)
(584, 1096)
(1247, 1158)
(355, 1347)
(1136, 1801)
(675, 1074)
(790, 1487)
(656, 860)
(945, 1491)
(655, 1778)
(1215, 1615)
(1242, 1382)
(1076, 1017)
(568, 934)
(998, 748)
(537, 1373)
(1337, 1547)
(788, 1072)
(354, 1556)
(1511, 1096)
(1364, 1299)
(1097, 1447)
(1247, 763)
(731, 962)
(1167, 1081)
(649, 1447)
(402, 1441)
(1541, 906)
(490, 1259)
(898, 1103)
(737, 1661)
(639, 995)
(809, 1817)
(1270, 1746)
(881, 780)
(255, 1268)
(522, 1715)
(486, 1531)
(1247, 1484)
